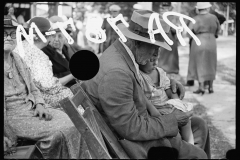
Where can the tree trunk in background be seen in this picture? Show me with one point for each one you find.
(53, 9)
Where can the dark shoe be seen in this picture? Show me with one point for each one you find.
(199, 91)
(210, 90)
(190, 83)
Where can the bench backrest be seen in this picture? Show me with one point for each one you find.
(86, 125)
(112, 143)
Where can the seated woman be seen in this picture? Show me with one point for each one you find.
(59, 56)
(51, 88)
(28, 114)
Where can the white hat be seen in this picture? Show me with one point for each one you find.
(114, 8)
(137, 6)
(203, 5)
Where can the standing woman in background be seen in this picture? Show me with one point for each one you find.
(11, 13)
(203, 59)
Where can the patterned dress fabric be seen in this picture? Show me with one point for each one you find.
(41, 71)
(57, 138)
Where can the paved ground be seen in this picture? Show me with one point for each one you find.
(220, 106)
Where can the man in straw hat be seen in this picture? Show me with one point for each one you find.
(116, 92)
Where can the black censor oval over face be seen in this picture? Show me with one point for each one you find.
(84, 65)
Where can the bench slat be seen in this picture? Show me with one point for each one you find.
(95, 146)
(107, 133)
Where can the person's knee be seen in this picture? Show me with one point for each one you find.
(200, 154)
(199, 123)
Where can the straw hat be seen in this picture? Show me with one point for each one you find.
(42, 23)
(114, 8)
(54, 20)
(138, 28)
(137, 6)
(203, 5)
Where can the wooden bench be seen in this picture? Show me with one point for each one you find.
(25, 152)
(101, 141)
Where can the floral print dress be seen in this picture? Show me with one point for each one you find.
(41, 70)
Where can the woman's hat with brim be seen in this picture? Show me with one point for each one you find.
(138, 28)
(54, 20)
(203, 5)
(42, 23)
(9, 22)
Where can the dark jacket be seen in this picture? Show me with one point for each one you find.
(220, 17)
(60, 65)
(117, 94)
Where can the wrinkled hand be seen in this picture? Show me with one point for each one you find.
(42, 113)
(182, 117)
(178, 88)
(7, 144)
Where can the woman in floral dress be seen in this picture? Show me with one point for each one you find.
(40, 66)
(26, 112)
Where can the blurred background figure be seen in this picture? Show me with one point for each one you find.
(21, 19)
(11, 13)
(203, 59)
(169, 60)
(110, 33)
(94, 19)
(80, 27)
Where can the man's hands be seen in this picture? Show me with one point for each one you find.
(182, 117)
(178, 88)
(42, 113)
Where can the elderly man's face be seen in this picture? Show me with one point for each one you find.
(10, 41)
(58, 40)
(144, 52)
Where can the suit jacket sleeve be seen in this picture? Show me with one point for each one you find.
(116, 97)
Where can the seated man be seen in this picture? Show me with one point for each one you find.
(59, 57)
(117, 93)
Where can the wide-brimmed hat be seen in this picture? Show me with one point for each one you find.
(54, 20)
(9, 22)
(42, 23)
(203, 5)
(114, 8)
(137, 6)
(138, 28)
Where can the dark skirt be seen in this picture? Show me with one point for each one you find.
(203, 59)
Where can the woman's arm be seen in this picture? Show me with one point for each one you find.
(66, 79)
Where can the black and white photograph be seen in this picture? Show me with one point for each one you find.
(119, 80)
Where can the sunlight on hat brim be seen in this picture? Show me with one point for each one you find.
(132, 35)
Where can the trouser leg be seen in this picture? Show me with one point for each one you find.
(201, 134)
